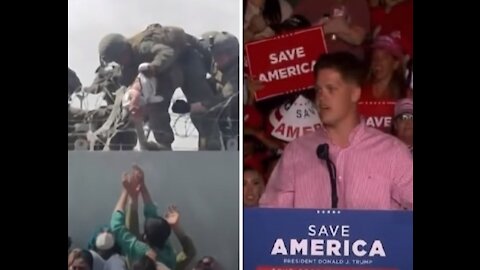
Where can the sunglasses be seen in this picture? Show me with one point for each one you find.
(406, 116)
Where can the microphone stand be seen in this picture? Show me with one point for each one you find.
(322, 153)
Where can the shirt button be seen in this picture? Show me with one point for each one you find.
(340, 178)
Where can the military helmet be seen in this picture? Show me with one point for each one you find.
(220, 42)
(112, 46)
(207, 37)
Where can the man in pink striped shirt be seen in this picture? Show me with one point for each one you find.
(374, 170)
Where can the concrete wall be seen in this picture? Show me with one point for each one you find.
(204, 186)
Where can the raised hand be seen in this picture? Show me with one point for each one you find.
(254, 85)
(132, 189)
(125, 180)
(172, 216)
(137, 177)
(336, 25)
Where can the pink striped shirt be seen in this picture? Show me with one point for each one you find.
(374, 172)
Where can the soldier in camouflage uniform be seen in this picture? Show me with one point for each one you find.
(74, 85)
(115, 132)
(73, 82)
(225, 50)
(79, 120)
(74, 115)
(176, 60)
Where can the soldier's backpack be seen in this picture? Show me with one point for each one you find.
(171, 36)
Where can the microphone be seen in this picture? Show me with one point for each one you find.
(322, 151)
(323, 154)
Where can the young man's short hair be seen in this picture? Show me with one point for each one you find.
(347, 64)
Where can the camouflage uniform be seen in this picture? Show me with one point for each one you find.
(74, 115)
(78, 117)
(178, 61)
(225, 76)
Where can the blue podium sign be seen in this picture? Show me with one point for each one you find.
(306, 239)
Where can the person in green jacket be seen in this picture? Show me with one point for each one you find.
(154, 242)
(172, 216)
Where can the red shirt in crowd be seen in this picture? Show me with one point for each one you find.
(378, 113)
(398, 20)
(255, 161)
(252, 118)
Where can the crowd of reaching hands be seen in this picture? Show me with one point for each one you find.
(122, 246)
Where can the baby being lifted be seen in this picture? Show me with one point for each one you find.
(142, 91)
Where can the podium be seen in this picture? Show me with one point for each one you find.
(327, 239)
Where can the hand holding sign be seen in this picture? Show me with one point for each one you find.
(257, 24)
(336, 25)
(253, 86)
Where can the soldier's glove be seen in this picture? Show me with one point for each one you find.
(181, 107)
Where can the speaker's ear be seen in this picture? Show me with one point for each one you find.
(356, 93)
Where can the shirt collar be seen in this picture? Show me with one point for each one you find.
(355, 135)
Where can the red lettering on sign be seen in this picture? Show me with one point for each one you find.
(280, 129)
(293, 132)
